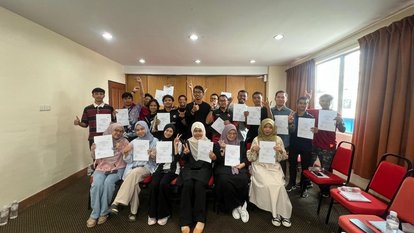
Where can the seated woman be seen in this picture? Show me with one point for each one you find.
(231, 182)
(166, 172)
(135, 172)
(107, 172)
(267, 190)
(194, 176)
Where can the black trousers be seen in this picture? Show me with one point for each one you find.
(231, 190)
(305, 158)
(193, 202)
(160, 207)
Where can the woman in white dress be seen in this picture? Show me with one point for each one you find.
(267, 189)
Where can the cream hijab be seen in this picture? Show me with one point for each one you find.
(194, 142)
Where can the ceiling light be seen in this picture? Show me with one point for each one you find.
(142, 60)
(278, 37)
(107, 36)
(252, 61)
(197, 61)
(193, 37)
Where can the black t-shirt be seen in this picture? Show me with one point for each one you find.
(200, 115)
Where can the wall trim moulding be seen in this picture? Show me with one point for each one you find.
(199, 70)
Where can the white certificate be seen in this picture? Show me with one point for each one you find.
(282, 124)
(228, 94)
(232, 155)
(164, 120)
(218, 125)
(104, 146)
(238, 112)
(164, 152)
(102, 122)
(304, 127)
(204, 148)
(158, 96)
(122, 116)
(169, 90)
(327, 120)
(254, 115)
(267, 152)
(141, 148)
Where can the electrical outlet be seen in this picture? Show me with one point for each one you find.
(45, 108)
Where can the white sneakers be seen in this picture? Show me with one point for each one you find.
(279, 221)
(235, 213)
(163, 221)
(241, 213)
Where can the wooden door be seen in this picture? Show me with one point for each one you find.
(234, 84)
(253, 84)
(115, 94)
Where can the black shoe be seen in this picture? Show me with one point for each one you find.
(290, 187)
(132, 217)
(304, 194)
(325, 195)
(114, 209)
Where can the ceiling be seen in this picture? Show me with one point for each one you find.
(231, 32)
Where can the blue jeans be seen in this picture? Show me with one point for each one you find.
(102, 190)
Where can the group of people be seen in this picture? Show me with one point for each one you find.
(249, 179)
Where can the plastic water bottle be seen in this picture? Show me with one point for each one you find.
(4, 215)
(392, 222)
(14, 210)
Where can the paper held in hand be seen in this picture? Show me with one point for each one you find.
(140, 150)
(326, 120)
(102, 122)
(267, 152)
(305, 126)
(104, 146)
(122, 116)
(282, 124)
(238, 112)
(232, 155)
(204, 148)
(164, 152)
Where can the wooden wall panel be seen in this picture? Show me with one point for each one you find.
(214, 84)
(234, 84)
(131, 83)
(253, 84)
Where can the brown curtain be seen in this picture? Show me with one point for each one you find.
(385, 113)
(299, 79)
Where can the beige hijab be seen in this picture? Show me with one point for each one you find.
(262, 136)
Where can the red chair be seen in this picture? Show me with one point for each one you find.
(403, 204)
(385, 182)
(341, 163)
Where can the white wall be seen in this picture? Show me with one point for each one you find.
(276, 80)
(40, 67)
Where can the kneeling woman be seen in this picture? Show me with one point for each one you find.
(135, 172)
(108, 171)
(267, 190)
(195, 176)
(231, 182)
(159, 207)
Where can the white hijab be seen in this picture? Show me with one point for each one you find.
(194, 142)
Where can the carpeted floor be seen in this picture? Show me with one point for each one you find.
(66, 211)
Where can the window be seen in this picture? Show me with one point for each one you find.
(339, 78)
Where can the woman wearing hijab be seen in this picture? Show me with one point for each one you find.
(232, 182)
(135, 172)
(195, 176)
(267, 189)
(166, 172)
(107, 172)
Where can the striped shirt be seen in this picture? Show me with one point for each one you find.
(89, 116)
